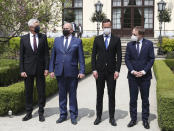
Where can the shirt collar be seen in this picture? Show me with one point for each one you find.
(32, 35)
(69, 37)
(107, 35)
(141, 41)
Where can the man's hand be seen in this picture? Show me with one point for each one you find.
(81, 76)
(46, 73)
(52, 75)
(23, 74)
(95, 74)
(116, 75)
(137, 74)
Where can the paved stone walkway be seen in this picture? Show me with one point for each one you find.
(87, 102)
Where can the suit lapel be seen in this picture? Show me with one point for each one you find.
(39, 40)
(62, 44)
(71, 43)
(111, 41)
(142, 48)
(103, 42)
(29, 42)
(135, 49)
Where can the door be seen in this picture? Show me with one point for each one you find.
(126, 14)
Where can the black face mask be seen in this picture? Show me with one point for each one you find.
(66, 32)
(37, 29)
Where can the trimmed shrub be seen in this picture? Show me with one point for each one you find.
(9, 72)
(170, 55)
(13, 96)
(14, 43)
(170, 63)
(167, 45)
(87, 45)
(7, 62)
(165, 95)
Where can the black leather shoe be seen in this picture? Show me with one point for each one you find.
(132, 123)
(41, 118)
(60, 120)
(74, 121)
(112, 121)
(97, 121)
(27, 117)
(146, 125)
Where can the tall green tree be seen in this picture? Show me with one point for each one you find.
(165, 17)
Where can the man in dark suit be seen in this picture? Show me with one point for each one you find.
(106, 63)
(139, 60)
(67, 53)
(34, 62)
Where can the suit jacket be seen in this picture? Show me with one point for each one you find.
(67, 61)
(110, 58)
(144, 61)
(34, 62)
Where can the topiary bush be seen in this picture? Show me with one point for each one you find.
(9, 72)
(167, 45)
(13, 96)
(170, 63)
(165, 95)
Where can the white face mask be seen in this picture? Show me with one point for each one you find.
(106, 31)
(134, 38)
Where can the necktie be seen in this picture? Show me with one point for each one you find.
(66, 43)
(106, 42)
(138, 48)
(34, 43)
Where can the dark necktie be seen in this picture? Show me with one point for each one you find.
(66, 43)
(34, 43)
(138, 48)
(106, 41)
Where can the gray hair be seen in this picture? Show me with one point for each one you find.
(70, 24)
(32, 21)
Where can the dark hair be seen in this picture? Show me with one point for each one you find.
(140, 30)
(106, 21)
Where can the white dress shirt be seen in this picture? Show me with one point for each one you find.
(140, 45)
(69, 40)
(32, 40)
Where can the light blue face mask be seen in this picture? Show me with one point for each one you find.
(106, 31)
(134, 38)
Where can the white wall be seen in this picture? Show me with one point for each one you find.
(90, 28)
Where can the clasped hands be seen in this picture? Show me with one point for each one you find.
(138, 73)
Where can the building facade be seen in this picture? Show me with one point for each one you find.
(125, 14)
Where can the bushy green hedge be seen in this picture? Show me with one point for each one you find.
(167, 45)
(9, 72)
(170, 63)
(165, 95)
(13, 96)
(87, 43)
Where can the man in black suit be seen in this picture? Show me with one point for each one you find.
(139, 60)
(34, 62)
(106, 63)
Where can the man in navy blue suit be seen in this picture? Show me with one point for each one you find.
(139, 60)
(67, 53)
